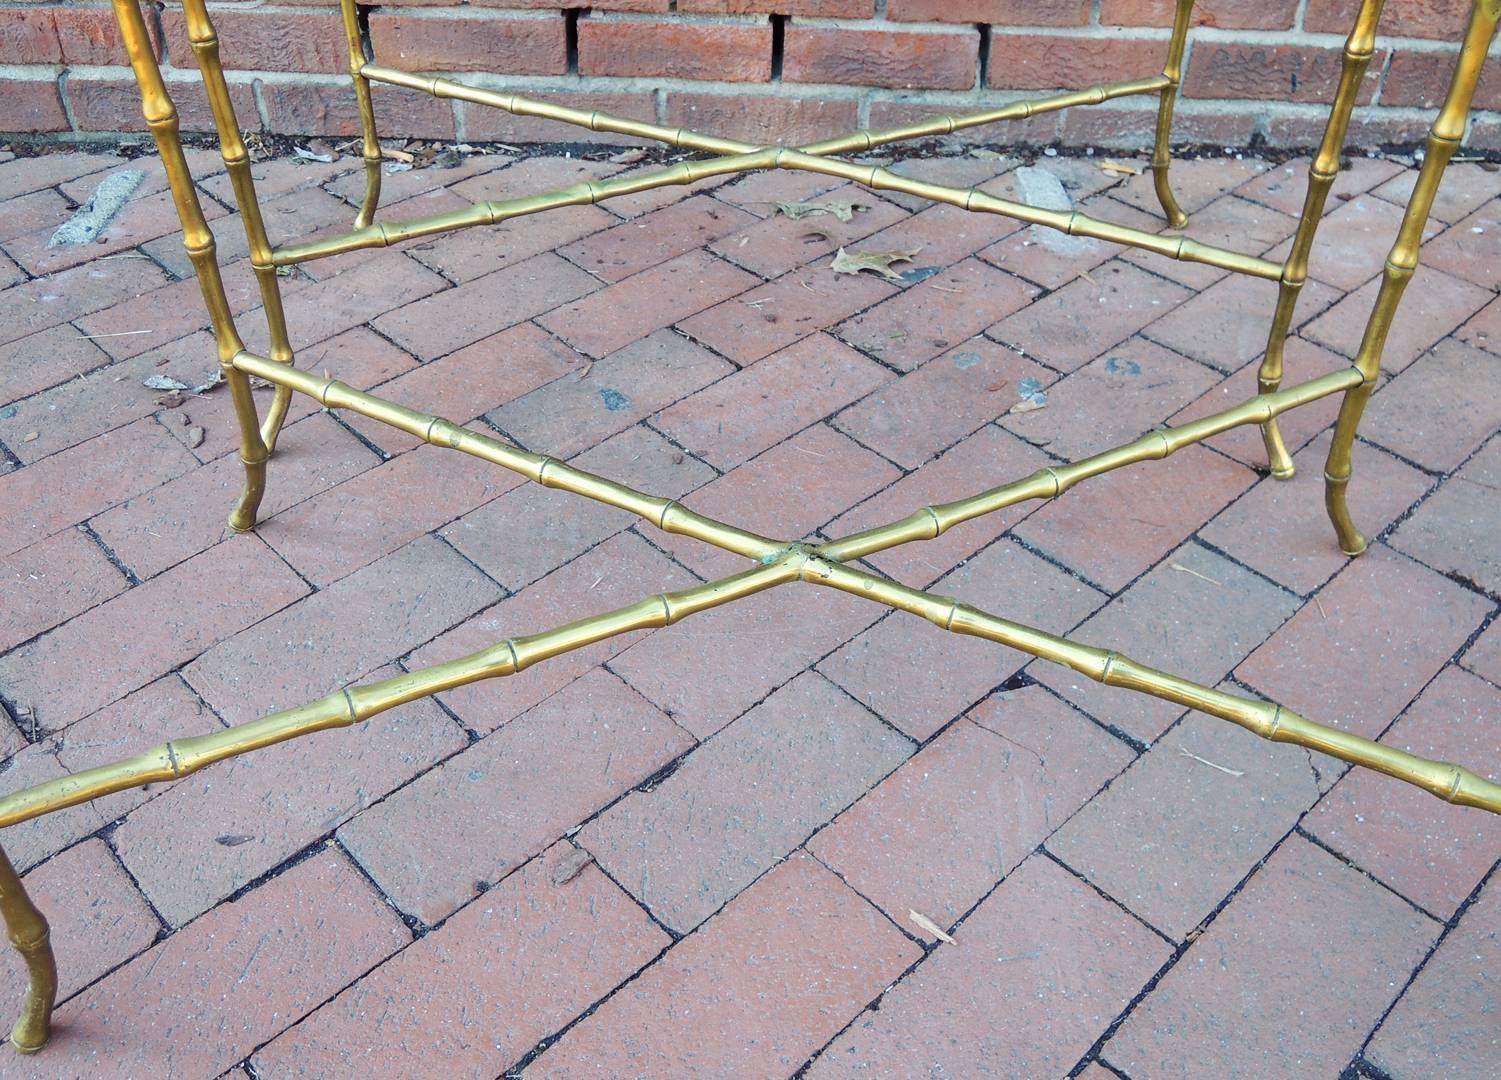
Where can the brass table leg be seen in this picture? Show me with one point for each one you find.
(1443, 140)
(28, 932)
(1162, 155)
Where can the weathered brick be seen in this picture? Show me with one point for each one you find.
(474, 380)
(518, 44)
(1225, 14)
(677, 48)
(1440, 409)
(936, 835)
(633, 246)
(77, 483)
(1068, 962)
(1020, 60)
(160, 527)
(752, 410)
(1147, 622)
(1285, 187)
(1225, 326)
(1418, 18)
(619, 571)
(763, 985)
(294, 108)
(498, 125)
(484, 812)
(1444, 1025)
(1332, 978)
(539, 951)
(98, 918)
(394, 605)
(1446, 302)
(1353, 242)
(1280, 529)
(527, 533)
(787, 493)
(212, 993)
(255, 40)
(457, 317)
(108, 102)
(1466, 187)
(688, 846)
(1109, 401)
(32, 105)
(46, 302)
(929, 409)
(1088, 530)
(1294, 73)
(21, 175)
(1434, 855)
(51, 581)
(1453, 529)
(779, 243)
(351, 525)
(159, 711)
(941, 674)
(707, 671)
(240, 818)
(573, 413)
(763, 119)
(1003, 12)
(986, 459)
(1174, 834)
(776, 315)
(146, 631)
(930, 316)
(1381, 630)
(1070, 327)
(1470, 247)
(898, 58)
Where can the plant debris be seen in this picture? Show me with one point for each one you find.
(1185, 752)
(316, 150)
(1032, 395)
(1119, 169)
(929, 926)
(627, 157)
(570, 866)
(233, 839)
(852, 262)
(844, 211)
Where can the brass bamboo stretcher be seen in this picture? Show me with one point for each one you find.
(773, 562)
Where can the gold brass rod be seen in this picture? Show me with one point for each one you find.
(161, 118)
(369, 140)
(666, 514)
(932, 521)
(1449, 782)
(878, 179)
(384, 234)
(205, 44)
(1359, 48)
(1443, 140)
(182, 757)
(1167, 99)
(685, 139)
(28, 932)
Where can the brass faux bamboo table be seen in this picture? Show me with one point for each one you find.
(773, 562)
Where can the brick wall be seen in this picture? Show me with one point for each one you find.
(756, 69)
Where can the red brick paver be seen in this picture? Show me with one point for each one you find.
(721, 848)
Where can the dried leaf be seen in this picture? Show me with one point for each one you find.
(982, 152)
(397, 155)
(31, 436)
(929, 926)
(1119, 169)
(208, 384)
(852, 262)
(310, 154)
(233, 839)
(163, 382)
(1032, 396)
(627, 157)
(195, 438)
(570, 866)
(170, 401)
(844, 211)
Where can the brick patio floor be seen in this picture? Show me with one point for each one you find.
(768, 793)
